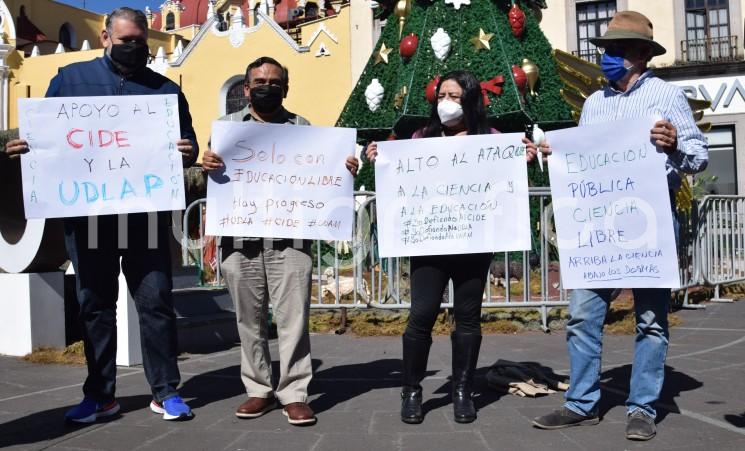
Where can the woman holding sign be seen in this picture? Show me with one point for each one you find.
(459, 111)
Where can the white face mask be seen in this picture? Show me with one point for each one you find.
(450, 112)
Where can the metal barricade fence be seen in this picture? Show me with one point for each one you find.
(689, 265)
(390, 288)
(720, 241)
(711, 252)
(361, 279)
(331, 261)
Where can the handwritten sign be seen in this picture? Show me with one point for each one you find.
(459, 195)
(92, 156)
(281, 181)
(612, 207)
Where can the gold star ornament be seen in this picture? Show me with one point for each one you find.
(382, 54)
(481, 41)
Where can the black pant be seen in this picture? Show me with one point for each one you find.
(148, 275)
(430, 276)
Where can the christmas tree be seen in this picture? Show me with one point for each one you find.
(498, 40)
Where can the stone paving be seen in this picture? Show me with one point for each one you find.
(355, 393)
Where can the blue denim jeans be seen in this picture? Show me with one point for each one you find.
(587, 310)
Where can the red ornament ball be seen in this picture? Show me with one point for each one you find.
(430, 90)
(521, 79)
(517, 20)
(408, 45)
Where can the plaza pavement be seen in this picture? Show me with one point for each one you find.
(356, 396)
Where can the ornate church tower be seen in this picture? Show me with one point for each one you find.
(170, 12)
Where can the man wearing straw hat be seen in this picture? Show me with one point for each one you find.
(633, 91)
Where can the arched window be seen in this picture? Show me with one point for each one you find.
(170, 21)
(235, 99)
(67, 36)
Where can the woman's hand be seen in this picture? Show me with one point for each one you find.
(372, 151)
(531, 150)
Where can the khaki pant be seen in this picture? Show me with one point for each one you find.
(262, 272)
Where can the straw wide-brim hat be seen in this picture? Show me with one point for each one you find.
(629, 25)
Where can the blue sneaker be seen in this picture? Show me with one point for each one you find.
(173, 408)
(89, 410)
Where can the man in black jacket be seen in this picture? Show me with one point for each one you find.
(95, 244)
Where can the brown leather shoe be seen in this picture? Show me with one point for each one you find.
(255, 407)
(299, 414)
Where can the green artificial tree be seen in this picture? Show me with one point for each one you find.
(482, 39)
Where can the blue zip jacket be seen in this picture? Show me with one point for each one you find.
(99, 77)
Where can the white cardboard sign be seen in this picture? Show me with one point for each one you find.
(281, 181)
(92, 156)
(612, 207)
(456, 195)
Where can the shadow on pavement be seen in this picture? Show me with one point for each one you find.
(675, 383)
(212, 386)
(221, 384)
(337, 384)
(736, 420)
(50, 424)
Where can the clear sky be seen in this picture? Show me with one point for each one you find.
(106, 6)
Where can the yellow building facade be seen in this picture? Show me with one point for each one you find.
(208, 60)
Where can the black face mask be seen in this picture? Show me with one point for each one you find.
(266, 98)
(130, 56)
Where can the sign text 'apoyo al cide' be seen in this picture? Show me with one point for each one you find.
(101, 155)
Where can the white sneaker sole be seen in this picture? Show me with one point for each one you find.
(266, 409)
(92, 418)
(298, 422)
(166, 416)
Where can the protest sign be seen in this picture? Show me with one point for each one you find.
(92, 156)
(281, 181)
(612, 207)
(456, 195)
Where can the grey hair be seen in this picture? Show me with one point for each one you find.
(133, 15)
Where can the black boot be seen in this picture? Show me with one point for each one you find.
(465, 355)
(415, 354)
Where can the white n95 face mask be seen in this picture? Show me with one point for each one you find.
(450, 112)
